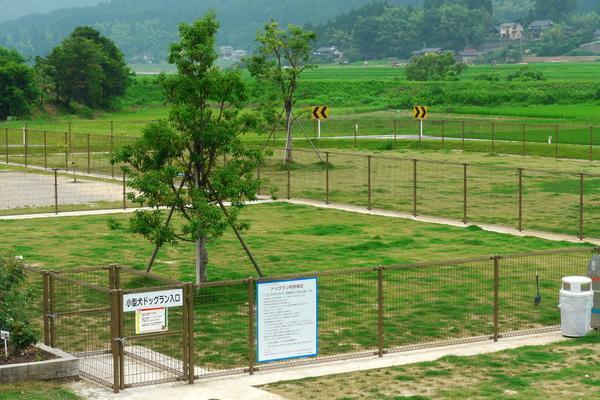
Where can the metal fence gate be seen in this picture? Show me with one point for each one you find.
(149, 358)
(362, 312)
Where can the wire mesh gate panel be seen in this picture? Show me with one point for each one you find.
(77, 320)
(157, 356)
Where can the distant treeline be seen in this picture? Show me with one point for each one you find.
(144, 29)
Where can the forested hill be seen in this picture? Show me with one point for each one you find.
(380, 30)
(12, 9)
(147, 27)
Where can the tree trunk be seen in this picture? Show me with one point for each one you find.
(288, 124)
(201, 252)
(201, 259)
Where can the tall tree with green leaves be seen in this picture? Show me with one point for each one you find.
(88, 68)
(281, 57)
(17, 85)
(196, 160)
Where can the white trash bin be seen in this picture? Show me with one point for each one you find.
(576, 299)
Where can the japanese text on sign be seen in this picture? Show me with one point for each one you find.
(286, 319)
(151, 320)
(162, 298)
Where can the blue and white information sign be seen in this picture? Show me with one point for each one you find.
(287, 322)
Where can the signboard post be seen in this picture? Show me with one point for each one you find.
(287, 323)
(420, 113)
(318, 113)
(5, 335)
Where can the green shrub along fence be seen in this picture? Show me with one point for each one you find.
(362, 312)
(531, 199)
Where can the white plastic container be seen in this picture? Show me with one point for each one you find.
(576, 299)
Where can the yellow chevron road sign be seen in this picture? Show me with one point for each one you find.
(319, 112)
(420, 112)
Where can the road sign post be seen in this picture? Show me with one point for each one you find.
(420, 113)
(318, 113)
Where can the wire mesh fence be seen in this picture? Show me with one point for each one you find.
(542, 200)
(362, 312)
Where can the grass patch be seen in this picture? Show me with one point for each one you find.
(552, 371)
(35, 391)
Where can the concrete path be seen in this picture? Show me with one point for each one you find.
(243, 386)
(100, 212)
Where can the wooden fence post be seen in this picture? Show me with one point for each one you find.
(326, 177)
(496, 297)
(46, 306)
(465, 165)
(251, 352)
(369, 181)
(414, 187)
(55, 191)
(380, 315)
(520, 227)
(581, 175)
(114, 338)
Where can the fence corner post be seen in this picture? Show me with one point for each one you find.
(51, 308)
(496, 297)
(115, 338)
(369, 182)
(465, 192)
(380, 314)
(46, 306)
(326, 177)
(520, 224)
(188, 333)
(55, 191)
(414, 187)
(581, 194)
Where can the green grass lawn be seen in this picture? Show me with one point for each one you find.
(450, 301)
(35, 391)
(565, 370)
(284, 238)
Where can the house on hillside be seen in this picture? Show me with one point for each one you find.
(225, 51)
(428, 50)
(239, 54)
(511, 31)
(537, 27)
(468, 55)
(329, 54)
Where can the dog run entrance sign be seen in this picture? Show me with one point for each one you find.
(151, 309)
(287, 323)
